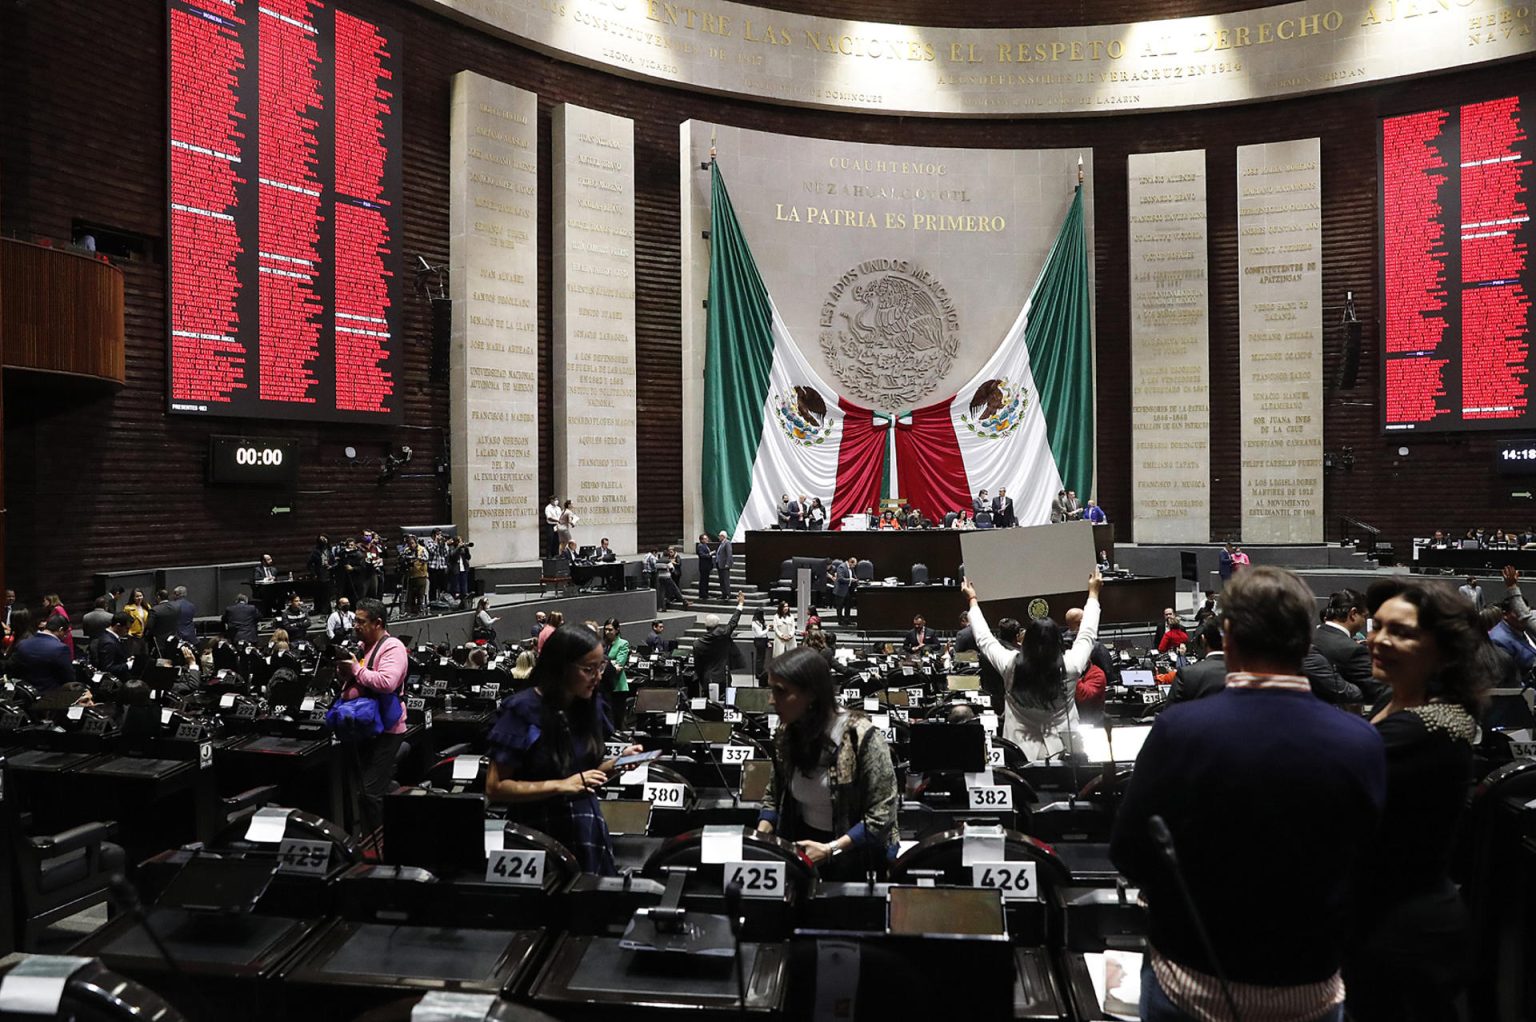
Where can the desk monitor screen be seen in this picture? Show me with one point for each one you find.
(964, 682)
(210, 884)
(715, 732)
(755, 774)
(962, 910)
(656, 700)
(1137, 679)
(752, 700)
(626, 816)
(437, 831)
(939, 747)
(896, 697)
(1123, 743)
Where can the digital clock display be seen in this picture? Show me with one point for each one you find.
(252, 461)
(1515, 457)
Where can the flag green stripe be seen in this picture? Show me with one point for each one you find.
(1059, 337)
(738, 357)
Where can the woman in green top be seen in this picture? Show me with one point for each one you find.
(617, 648)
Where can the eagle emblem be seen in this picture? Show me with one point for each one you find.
(995, 410)
(802, 415)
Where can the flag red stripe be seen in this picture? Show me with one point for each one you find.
(860, 463)
(929, 465)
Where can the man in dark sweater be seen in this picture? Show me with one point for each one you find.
(1270, 796)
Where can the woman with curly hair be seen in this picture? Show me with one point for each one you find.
(1411, 924)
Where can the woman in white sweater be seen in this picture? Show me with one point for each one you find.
(1038, 679)
(783, 627)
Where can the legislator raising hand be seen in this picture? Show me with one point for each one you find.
(967, 590)
(1095, 583)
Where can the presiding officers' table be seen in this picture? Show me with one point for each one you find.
(892, 552)
(1123, 601)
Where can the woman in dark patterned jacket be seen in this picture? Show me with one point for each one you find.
(833, 790)
(1409, 948)
(546, 748)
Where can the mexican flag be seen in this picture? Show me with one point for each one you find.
(772, 427)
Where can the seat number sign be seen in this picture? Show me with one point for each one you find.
(304, 857)
(993, 797)
(520, 867)
(662, 795)
(1016, 880)
(757, 879)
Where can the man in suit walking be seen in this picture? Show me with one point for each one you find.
(1002, 510)
(981, 502)
(842, 588)
(715, 653)
(724, 558)
(186, 615)
(160, 631)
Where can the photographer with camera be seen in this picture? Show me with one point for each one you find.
(458, 569)
(380, 674)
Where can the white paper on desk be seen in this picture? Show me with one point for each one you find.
(166, 713)
(35, 986)
(982, 844)
(635, 777)
(1116, 978)
(268, 825)
(721, 844)
(226, 700)
(980, 780)
(452, 1006)
(465, 767)
(880, 720)
(674, 718)
(495, 836)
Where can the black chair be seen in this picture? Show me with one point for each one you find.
(1488, 853)
(94, 993)
(56, 875)
(561, 868)
(943, 853)
(984, 519)
(865, 570)
(554, 574)
(949, 518)
(919, 574)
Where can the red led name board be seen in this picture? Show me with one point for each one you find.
(284, 212)
(1457, 277)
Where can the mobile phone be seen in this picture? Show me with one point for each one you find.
(638, 757)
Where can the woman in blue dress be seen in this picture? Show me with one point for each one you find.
(546, 749)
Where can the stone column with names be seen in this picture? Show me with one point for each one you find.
(1170, 348)
(593, 322)
(493, 360)
(1280, 319)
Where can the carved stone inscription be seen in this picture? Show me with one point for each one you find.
(1170, 348)
(594, 322)
(1280, 317)
(493, 360)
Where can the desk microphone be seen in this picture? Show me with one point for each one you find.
(1163, 838)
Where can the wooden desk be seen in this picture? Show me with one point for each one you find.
(891, 552)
